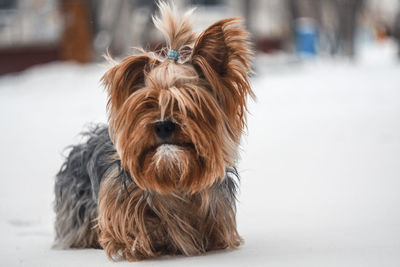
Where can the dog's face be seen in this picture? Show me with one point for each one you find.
(176, 126)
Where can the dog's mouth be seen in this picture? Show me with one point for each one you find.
(182, 145)
(154, 148)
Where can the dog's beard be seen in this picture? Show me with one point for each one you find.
(169, 167)
(169, 163)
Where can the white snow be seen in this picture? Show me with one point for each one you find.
(320, 165)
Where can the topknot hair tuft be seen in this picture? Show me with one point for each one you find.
(176, 28)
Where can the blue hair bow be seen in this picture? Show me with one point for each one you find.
(173, 54)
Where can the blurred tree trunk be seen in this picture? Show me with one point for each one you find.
(293, 15)
(347, 12)
(247, 5)
(396, 32)
(76, 41)
(121, 33)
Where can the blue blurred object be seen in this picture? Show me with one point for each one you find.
(306, 37)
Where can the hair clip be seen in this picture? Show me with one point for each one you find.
(173, 54)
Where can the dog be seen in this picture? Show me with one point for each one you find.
(160, 178)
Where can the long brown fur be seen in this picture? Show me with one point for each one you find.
(173, 205)
(135, 225)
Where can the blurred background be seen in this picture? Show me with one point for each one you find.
(38, 31)
(319, 162)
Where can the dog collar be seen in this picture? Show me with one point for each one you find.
(173, 54)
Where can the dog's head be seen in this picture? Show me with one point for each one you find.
(176, 120)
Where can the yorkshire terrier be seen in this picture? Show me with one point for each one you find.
(160, 179)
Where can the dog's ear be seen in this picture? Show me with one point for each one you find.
(125, 78)
(221, 47)
(221, 55)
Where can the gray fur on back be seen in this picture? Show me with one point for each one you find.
(77, 186)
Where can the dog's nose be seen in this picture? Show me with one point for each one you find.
(164, 129)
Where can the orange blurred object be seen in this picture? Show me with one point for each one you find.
(76, 42)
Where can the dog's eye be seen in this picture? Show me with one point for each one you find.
(150, 102)
(209, 89)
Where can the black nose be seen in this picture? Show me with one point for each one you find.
(164, 129)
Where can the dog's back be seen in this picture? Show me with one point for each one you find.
(77, 186)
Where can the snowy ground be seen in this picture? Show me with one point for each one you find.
(320, 166)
